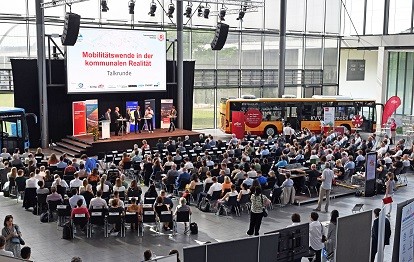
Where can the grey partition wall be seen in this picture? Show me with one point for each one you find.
(268, 248)
(195, 253)
(353, 237)
(237, 250)
(251, 249)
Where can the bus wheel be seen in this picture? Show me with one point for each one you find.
(347, 127)
(270, 131)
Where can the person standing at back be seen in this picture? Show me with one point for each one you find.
(259, 202)
(149, 113)
(326, 187)
(315, 236)
(374, 233)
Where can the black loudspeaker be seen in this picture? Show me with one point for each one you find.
(220, 37)
(71, 29)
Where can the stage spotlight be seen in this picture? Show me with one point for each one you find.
(188, 10)
(241, 15)
(153, 8)
(200, 11)
(104, 5)
(222, 13)
(171, 9)
(206, 12)
(131, 6)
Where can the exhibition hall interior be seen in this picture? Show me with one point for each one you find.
(207, 130)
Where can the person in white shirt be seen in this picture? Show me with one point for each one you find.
(75, 197)
(3, 252)
(32, 181)
(102, 186)
(315, 236)
(326, 187)
(98, 202)
(118, 185)
(214, 187)
(288, 132)
(188, 164)
(75, 182)
(116, 196)
(398, 151)
(5, 155)
(40, 176)
(59, 182)
(383, 149)
(387, 159)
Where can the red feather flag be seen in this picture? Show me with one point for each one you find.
(392, 104)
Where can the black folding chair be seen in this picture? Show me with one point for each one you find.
(182, 217)
(232, 204)
(29, 199)
(116, 218)
(98, 218)
(131, 218)
(149, 200)
(52, 208)
(244, 202)
(63, 212)
(165, 217)
(148, 216)
(80, 220)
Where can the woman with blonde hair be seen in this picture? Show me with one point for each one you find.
(118, 185)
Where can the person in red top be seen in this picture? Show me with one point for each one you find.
(80, 209)
(393, 127)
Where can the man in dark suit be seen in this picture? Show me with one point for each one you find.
(374, 234)
(117, 123)
(137, 117)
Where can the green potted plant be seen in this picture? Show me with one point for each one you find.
(94, 130)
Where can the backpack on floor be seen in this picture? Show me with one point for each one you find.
(46, 217)
(194, 228)
(205, 205)
(67, 232)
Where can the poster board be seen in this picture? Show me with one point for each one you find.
(404, 224)
(79, 118)
(166, 106)
(370, 173)
(329, 116)
(91, 114)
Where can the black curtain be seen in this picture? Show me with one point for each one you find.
(26, 94)
(60, 103)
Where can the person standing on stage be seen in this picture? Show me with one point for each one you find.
(108, 114)
(137, 117)
(118, 123)
(173, 117)
(149, 113)
(128, 121)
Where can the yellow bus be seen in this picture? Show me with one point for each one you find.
(300, 113)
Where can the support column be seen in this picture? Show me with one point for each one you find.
(41, 71)
(382, 70)
(282, 47)
(180, 64)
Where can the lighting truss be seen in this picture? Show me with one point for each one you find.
(253, 3)
(54, 3)
(231, 11)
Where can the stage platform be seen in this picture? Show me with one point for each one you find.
(74, 146)
(337, 191)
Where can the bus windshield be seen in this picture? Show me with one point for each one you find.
(13, 129)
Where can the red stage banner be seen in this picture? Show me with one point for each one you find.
(392, 104)
(79, 118)
(237, 124)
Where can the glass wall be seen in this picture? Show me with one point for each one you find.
(400, 80)
(247, 64)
